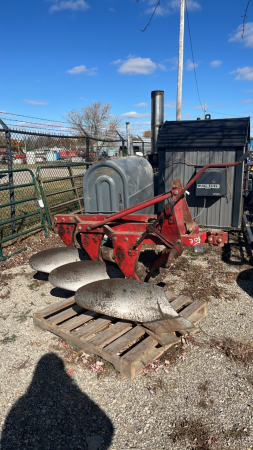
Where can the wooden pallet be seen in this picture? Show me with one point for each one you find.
(126, 345)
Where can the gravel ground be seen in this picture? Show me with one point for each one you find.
(200, 396)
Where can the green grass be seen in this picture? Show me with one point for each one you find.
(8, 339)
(22, 317)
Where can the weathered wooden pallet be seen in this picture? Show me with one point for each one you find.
(126, 345)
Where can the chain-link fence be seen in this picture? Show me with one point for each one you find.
(57, 163)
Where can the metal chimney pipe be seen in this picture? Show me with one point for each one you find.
(128, 137)
(157, 116)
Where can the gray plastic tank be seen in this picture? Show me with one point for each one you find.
(112, 185)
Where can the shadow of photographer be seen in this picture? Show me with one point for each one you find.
(54, 414)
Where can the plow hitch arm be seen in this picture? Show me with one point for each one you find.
(162, 197)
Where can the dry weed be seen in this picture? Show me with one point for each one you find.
(194, 432)
(237, 351)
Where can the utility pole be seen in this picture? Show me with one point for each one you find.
(205, 110)
(180, 60)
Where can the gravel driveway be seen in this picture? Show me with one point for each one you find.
(199, 396)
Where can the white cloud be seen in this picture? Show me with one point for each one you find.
(34, 102)
(118, 61)
(74, 5)
(135, 115)
(247, 39)
(192, 5)
(82, 69)
(170, 104)
(171, 7)
(244, 73)
(215, 63)
(142, 105)
(186, 116)
(248, 100)
(112, 9)
(220, 105)
(190, 65)
(173, 61)
(136, 66)
(249, 90)
(162, 67)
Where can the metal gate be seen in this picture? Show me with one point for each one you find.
(17, 203)
(61, 188)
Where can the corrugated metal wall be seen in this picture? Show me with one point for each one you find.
(221, 212)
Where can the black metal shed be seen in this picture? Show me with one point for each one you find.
(185, 146)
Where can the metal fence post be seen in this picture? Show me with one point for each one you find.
(142, 144)
(87, 149)
(11, 182)
(121, 152)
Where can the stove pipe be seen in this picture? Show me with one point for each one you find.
(157, 116)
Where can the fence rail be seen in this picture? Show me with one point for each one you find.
(49, 168)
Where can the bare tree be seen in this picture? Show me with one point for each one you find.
(97, 121)
(147, 134)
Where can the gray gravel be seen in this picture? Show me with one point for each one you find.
(204, 401)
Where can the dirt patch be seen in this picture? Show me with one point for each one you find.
(238, 352)
(204, 275)
(34, 243)
(4, 279)
(250, 380)
(194, 432)
(201, 437)
(203, 387)
(236, 432)
(73, 358)
(173, 354)
(157, 386)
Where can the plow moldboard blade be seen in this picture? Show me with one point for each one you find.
(74, 275)
(50, 259)
(130, 300)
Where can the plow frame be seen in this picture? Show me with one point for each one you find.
(174, 228)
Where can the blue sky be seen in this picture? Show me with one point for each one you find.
(59, 55)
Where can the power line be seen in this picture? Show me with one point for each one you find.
(40, 132)
(35, 128)
(39, 118)
(31, 117)
(158, 3)
(34, 123)
(223, 114)
(245, 17)
(188, 22)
